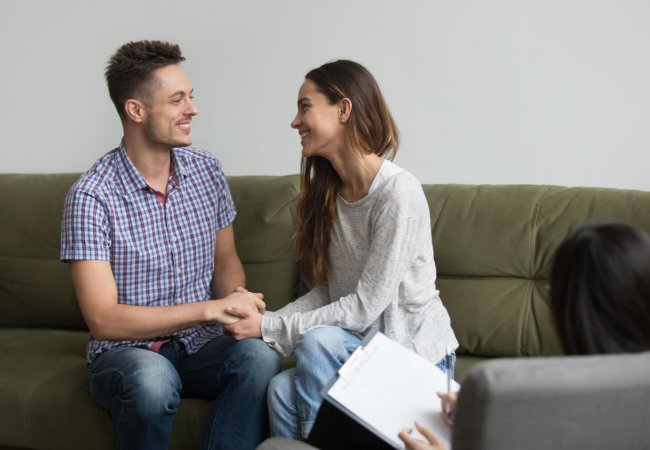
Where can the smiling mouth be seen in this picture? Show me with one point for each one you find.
(303, 135)
(185, 127)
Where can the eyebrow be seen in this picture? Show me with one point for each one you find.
(181, 93)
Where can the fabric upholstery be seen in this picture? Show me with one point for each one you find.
(493, 248)
(561, 403)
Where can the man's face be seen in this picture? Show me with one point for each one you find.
(169, 109)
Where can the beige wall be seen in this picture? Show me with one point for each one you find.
(499, 91)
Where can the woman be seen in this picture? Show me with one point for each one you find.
(600, 299)
(363, 237)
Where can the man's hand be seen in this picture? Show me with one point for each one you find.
(261, 307)
(416, 444)
(249, 324)
(241, 299)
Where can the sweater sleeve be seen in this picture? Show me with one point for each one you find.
(395, 224)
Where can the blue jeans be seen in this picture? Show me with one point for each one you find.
(294, 395)
(141, 389)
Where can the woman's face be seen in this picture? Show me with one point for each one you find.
(318, 122)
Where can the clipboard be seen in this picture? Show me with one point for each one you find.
(386, 387)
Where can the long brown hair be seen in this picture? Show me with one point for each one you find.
(371, 129)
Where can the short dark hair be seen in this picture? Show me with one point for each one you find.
(600, 290)
(129, 72)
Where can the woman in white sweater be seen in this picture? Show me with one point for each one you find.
(363, 237)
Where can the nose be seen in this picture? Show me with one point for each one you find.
(295, 123)
(191, 109)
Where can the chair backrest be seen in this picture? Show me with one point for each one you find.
(590, 402)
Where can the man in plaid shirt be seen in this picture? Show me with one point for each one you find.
(149, 237)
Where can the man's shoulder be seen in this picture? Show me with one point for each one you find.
(191, 154)
(100, 175)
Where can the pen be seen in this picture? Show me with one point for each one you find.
(448, 364)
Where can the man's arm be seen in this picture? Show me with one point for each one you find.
(228, 270)
(107, 320)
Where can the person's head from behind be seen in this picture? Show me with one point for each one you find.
(600, 290)
(149, 89)
(341, 112)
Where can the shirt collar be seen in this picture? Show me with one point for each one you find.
(132, 179)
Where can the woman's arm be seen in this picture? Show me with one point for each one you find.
(399, 224)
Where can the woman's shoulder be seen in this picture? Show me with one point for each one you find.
(401, 183)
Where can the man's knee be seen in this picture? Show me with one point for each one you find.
(147, 382)
(255, 358)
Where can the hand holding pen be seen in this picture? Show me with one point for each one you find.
(448, 400)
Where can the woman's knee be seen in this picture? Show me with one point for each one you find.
(326, 341)
(281, 389)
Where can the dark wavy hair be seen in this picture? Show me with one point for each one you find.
(370, 129)
(129, 72)
(600, 290)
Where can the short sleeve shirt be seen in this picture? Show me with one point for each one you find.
(161, 254)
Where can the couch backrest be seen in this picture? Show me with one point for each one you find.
(36, 290)
(493, 248)
(561, 403)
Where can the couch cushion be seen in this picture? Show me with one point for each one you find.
(494, 246)
(264, 225)
(45, 403)
(35, 288)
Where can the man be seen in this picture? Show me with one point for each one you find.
(149, 237)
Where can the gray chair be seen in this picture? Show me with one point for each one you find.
(590, 402)
(559, 403)
(284, 444)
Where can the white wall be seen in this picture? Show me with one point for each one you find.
(499, 91)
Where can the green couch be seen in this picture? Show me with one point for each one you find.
(493, 247)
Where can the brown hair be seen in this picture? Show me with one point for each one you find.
(371, 129)
(129, 72)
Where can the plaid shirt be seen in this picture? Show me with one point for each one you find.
(161, 253)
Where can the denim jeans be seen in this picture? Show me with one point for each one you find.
(141, 389)
(294, 395)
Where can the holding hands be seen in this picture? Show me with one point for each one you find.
(240, 300)
(247, 320)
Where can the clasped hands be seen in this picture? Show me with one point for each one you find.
(243, 311)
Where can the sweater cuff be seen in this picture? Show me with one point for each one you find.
(274, 334)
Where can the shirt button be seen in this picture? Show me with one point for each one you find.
(174, 238)
(179, 271)
(179, 301)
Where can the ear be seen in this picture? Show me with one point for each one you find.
(345, 109)
(134, 110)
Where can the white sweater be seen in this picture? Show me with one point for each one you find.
(382, 275)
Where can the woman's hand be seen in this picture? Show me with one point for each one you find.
(416, 444)
(448, 401)
(248, 325)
